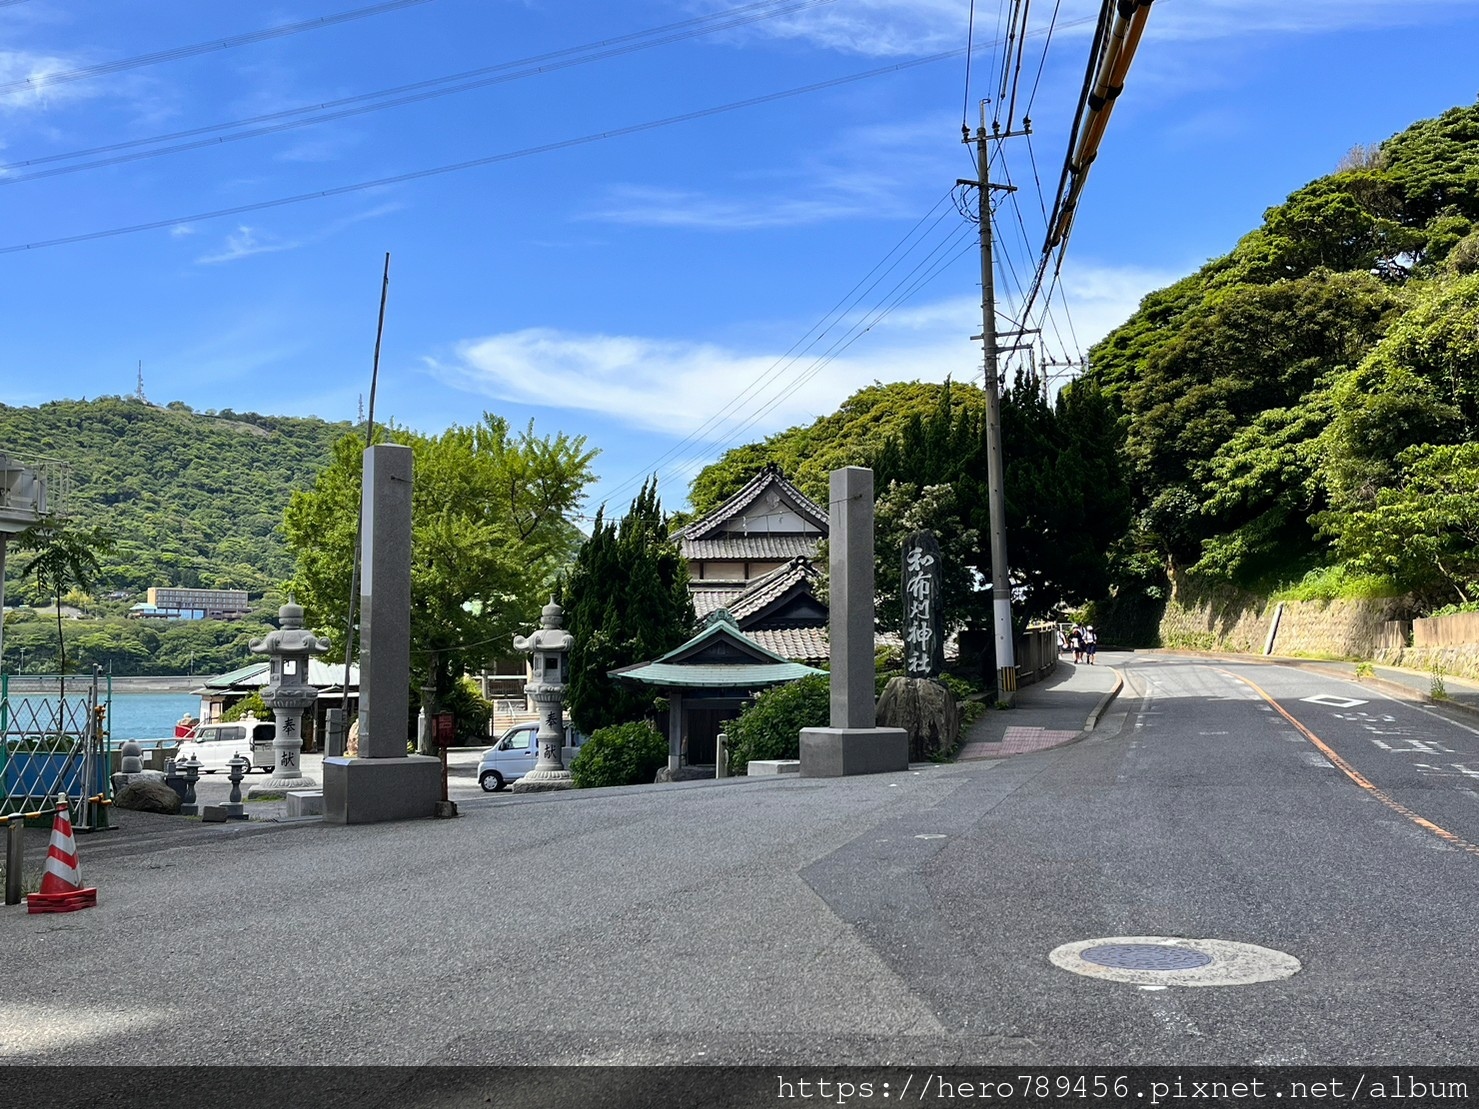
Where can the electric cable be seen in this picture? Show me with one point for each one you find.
(412, 93)
(46, 80)
(491, 159)
(838, 310)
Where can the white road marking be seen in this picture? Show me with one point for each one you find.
(1314, 758)
(1333, 701)
(1464, 770)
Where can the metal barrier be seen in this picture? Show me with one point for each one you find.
(1037, 653)
(52, 745)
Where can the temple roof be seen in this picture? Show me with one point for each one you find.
(768, 507)
(808, 645)
(768, 594)
(719, 657)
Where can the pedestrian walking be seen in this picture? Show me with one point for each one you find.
(1076, 641)
(1091, 644)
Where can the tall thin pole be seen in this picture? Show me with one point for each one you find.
(359, 517)
(1001, 589)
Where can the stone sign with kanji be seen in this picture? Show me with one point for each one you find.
(924, 640)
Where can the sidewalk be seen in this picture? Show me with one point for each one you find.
(1049, 713)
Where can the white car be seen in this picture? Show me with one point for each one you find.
(215, 745)
(516, 753)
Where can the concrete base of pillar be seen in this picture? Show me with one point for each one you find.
(369, 791)
(543, 781)
(843, 752)
(303, 803)
(273, 788)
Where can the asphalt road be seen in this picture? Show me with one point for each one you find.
(902, 918)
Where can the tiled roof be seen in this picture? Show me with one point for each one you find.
(748, 495)
(802, 644)
(772, 586)
(738, 548)
(706, 601)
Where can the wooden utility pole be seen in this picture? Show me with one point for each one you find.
(1001, 588)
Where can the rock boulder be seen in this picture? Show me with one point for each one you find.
(925, 709)
(147, 794)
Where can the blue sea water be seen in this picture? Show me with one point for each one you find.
(149, 715)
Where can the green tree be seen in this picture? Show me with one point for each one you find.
(62, 557)
(626, 601)
(1423, 530)
(489, 536)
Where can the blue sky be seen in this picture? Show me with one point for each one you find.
(660, 290)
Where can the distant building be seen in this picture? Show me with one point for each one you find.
(170, 603)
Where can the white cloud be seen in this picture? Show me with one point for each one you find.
(243, 243)
(722, 395)
(246, 241)
(870, 172)
(661, 207)
(20, 65)
(887, 28)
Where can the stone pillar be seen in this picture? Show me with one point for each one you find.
(385, 603)
(384, 783)
(675, 730)
(853, 744)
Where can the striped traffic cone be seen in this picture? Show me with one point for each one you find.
(61, 882)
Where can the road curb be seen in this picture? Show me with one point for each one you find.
(1092, 721)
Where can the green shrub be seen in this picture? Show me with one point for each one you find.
(250, 705)
(621, 755)
(1336, 583)
(771, 727)
(959, 687)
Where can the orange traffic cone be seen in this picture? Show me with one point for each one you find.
(61, 883)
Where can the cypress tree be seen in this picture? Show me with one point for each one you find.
(627, 601)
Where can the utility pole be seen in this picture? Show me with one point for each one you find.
(1001, 588)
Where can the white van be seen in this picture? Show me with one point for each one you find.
(215, 745)
(517, 752)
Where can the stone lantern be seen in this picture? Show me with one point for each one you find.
(287, 694)
(550, 647)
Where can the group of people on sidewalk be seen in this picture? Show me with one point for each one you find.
(1081, 640)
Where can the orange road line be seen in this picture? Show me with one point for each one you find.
(1356, 776)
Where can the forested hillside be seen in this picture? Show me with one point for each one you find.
(1306, 406)
(190, 499)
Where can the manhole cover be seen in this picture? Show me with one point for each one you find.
(1145, 956)
(1161, 961)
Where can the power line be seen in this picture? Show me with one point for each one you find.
(415, 92)
(492, 159)
(953, 246)
(809, 338)
(45, 80)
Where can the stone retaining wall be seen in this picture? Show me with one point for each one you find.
(1223, 618)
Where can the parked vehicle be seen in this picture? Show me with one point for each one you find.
(515, 754)
(215, 745)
